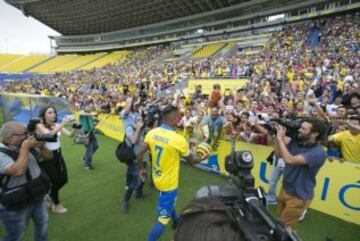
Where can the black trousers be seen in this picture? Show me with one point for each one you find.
(57, 173)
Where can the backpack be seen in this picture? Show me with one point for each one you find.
(17, 198)
(124, 153)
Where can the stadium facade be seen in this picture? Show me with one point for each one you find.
(109, 25)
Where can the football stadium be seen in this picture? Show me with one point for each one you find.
(184, 120)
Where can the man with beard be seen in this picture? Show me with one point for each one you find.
(303, 159)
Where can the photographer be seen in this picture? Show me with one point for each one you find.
(303, 159)
(55, 168)
(88, 122)
(134, 137)
(16, 164)
(207, 219)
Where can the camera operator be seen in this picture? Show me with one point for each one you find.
(56, 167)
(303, 159)
(19, 167)
(207, 219)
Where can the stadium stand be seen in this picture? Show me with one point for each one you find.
(78, 61)
(209, 50)
(23, 63)
(48, 66)
(309, 57)
(8, 58)
(110, 58)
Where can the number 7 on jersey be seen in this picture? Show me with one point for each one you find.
(159, 150)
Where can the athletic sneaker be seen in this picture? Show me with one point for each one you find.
(89, 168)
(124, 206)
(59, 209)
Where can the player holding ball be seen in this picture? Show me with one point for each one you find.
(166, 146)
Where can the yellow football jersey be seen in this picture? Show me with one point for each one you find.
(166, 147)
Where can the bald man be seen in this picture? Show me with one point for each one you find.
(18, 167)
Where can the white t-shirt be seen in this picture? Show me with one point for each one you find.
(331, 109)
(54, 145)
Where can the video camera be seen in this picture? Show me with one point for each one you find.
(292, 126)
(151, 115)
(39, 137)
(247, 204)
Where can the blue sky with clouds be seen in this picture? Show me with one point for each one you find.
(20, 34)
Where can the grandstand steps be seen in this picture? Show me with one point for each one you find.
(186, 56)
(209, 50)
(78, 61)
(4, 67)
(38, 64)
(23, 63)
(53, 63)
(109, 58)
(92, 61)
(8, 58)
(198, 49)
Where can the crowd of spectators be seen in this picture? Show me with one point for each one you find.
(287, 79)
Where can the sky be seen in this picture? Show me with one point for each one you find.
(20, 34)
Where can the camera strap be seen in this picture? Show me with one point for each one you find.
(132, 145)
(14, 155)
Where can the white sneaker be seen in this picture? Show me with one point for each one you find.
(59, 208)
(302, 217)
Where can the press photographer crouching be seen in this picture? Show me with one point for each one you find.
(303, 156)
(22, 184)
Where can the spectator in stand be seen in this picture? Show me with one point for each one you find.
(332, 108)
(200, 130)
(198, 93)
(215, 96)
(349, 141)
(230, 127)
(354, 104)
(215, 123)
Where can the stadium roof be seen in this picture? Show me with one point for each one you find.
(78, 17)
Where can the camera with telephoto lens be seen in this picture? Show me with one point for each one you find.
(292, 126)
(247, 204)
(31, 129)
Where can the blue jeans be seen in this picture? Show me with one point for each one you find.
(276, 173)
(90, 149)
(132, 176)
(15, 222)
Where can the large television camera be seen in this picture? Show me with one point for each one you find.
(247, 204)
(292, 126)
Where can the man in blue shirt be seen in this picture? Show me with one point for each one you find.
(303, 159)
(134, 136)
(215, 123)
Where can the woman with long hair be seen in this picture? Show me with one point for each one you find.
(55, 168)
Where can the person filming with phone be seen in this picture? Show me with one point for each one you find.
(55, 167)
